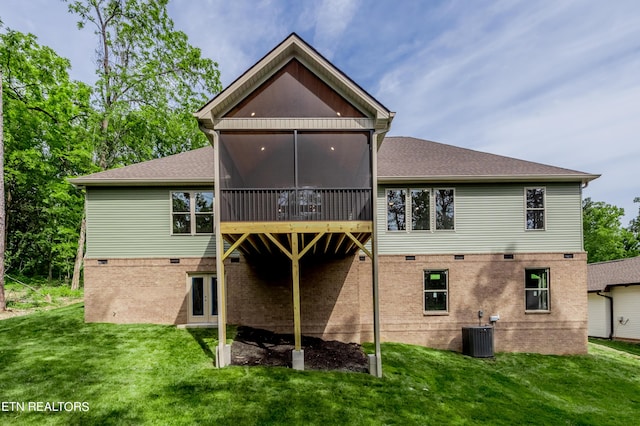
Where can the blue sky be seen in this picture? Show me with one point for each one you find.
(557, 82)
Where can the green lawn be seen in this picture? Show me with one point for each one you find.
(131, 374)
(632, 348)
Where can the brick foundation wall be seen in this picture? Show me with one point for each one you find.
(494, 285)
(260, 295)
(139, 290)
(336, 298)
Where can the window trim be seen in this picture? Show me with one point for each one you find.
(547, 271)
(408, 209)
(192, 211)
(543, 209)
(446, 291)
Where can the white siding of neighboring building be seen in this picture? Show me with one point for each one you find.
(626, 304)
(490, 218)
(599, 308)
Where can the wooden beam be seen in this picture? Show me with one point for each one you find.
(254, 244)
(265, 241)
(311, 244)
(298, 227)
(340, 240)
(359, 244)
(326, 244)
(234, 246)
(280, 246)
(295, 273)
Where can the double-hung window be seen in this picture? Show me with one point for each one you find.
(534, 206)
(536, 289)
(192, 212)
(436, 288)
(413, 209)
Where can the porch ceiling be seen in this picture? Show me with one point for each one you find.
(274, 239)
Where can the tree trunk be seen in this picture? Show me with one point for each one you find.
(3, 302)
(75, 282)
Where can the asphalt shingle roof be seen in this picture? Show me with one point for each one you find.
(406, 157)
(614, 272)
(194, 166)
(399, 158)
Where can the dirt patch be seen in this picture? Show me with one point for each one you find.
(254, 346)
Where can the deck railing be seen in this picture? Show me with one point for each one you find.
(290, 204)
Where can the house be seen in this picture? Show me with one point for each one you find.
(305, 217)
(614, 299)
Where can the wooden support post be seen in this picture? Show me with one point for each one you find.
(295, 273)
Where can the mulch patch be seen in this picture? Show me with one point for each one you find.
(253, 346)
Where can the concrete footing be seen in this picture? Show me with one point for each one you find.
(373, 365)
(223, 356)
(297, 359)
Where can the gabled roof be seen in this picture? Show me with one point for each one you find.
(400, 159)
(406, 159)
(191, 167)
(292, 47)
(602, 275)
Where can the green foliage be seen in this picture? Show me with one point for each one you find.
(149, 374)
(45, 141)
(29, 293)
(634, 225)
(604, 237)
(150, 80)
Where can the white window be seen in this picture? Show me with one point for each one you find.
(536, 289)
(191, 212)
(436, 288)
(534, 208)
(411, 209)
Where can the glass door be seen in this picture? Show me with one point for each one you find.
(203, 298)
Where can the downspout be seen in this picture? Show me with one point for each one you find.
(610, 313)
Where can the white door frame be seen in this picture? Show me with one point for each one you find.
(208, 305)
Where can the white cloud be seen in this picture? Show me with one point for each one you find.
(332, 17)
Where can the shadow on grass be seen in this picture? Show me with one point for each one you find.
(207, 339)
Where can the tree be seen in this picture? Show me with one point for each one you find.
(634, 225)
(150, 80)
(3, 303)
(45, 140)
(604, 236)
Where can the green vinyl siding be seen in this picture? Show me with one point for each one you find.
(489, 218)
(135, 222)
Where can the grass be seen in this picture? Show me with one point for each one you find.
(133, 374)
(26, 293)
(632, 348)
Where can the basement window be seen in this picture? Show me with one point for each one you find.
(436, 289)
(536, 289)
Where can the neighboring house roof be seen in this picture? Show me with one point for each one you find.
(406, 159)
(191, 167)
(400, 159)
(602, 275)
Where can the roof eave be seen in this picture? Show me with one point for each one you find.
(292, 46)
(584, 179)
(140, 182)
